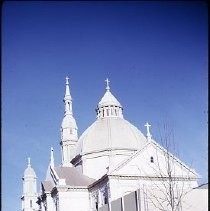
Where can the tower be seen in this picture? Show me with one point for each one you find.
(29, 197)
(68, 129)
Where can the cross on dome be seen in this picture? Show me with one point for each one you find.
(107, 84)
(67, 80)
(147, 125)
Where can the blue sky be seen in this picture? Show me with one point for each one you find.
(154, 53)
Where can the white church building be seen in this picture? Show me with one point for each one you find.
(110, 160)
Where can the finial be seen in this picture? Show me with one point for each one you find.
(67, 80)
(149, 136)
(107, 84)
(51, 157)
(29, 162)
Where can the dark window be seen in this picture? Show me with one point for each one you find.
(151, 159)
(107, 112)
(105, 200)
(30, 203)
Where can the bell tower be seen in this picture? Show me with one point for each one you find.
(69, 136)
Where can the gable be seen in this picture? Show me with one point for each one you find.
(153, 161)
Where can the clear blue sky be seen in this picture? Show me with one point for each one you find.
(154, 53)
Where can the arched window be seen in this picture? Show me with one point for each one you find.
(105, 200)
(151, 159)
(96, 205)
(30, 203)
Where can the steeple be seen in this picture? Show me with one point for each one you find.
(109, 105)
(29, 196)
(68, 129)
(67, 99)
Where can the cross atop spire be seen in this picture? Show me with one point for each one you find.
(149, 136)
(67, 80)
(107, 84)
(29, 162)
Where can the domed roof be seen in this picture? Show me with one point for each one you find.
(29, 171)
(108, 99)
(110, 133)
(68, 121)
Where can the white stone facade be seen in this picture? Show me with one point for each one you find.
(111, 159)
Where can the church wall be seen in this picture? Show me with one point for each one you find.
(50, 203)
(120, 187)
(95, 165)
(74, 200)
(195, 200)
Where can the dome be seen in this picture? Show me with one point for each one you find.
(109, 99)
(68, 122)
(110, 133)
(29, 172)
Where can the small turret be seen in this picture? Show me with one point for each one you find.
(29, 196)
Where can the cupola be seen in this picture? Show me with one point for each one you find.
(109, 106)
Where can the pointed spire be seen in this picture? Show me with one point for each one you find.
(107, 84)
(149, 136)
(29, 162)
(69, 135)
(67, 98)
(52, 158)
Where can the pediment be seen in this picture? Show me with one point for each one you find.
(152, 160)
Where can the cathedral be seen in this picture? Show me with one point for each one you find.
(111, 159)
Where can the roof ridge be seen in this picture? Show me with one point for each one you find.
(175, 158)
